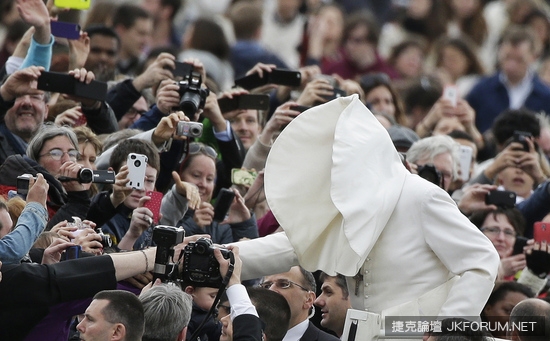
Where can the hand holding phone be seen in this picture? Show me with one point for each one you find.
(501, 198)
(276, 76)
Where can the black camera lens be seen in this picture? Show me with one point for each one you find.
(195, 131)
(106, 241)
(85, 175)
(137, 163)
(132, 157)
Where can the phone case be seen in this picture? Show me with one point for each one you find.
(451, 93)
(223, 203)
(541, 232)
(67, 84)
(501, 198)
(154, 204)
(65, 30)
(137, 164)
(74, 4)
(519, 244)
(276, 76)
(243, 177)
(182, 69)
(464, 161)
(245, 101)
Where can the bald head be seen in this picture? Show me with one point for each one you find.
(524, 312)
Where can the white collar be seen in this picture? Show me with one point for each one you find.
(295, 333)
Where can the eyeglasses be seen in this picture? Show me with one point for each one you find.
(281, 284)
(509, 233)
(195, 148)
(57, 154)
(133, 112)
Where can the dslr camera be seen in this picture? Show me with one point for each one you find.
(189, 129)
(432, 174)
(200, 267)
(192, 95)
(166, 237)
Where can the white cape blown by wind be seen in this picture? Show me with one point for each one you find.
(332, 180)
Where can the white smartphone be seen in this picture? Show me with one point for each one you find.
(465, 161)
(450, 92)
(137, 164)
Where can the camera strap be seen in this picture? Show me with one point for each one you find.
(221, 290)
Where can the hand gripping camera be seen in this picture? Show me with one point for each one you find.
(192, 95)
(166, 237)
(200, 267)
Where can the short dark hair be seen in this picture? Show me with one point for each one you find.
(308, 279)
(175, 4)
(517, 34)
(124, 307)
(511, 120)
(273, 310)
(503, 288)
(514, 216)
(362, 18)
(462, 135)
(102, 30)
(127, 14)
(121, 151)
(208, 36)
(246, 17)
(340, 281)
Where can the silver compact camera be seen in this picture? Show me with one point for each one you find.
(189, 129)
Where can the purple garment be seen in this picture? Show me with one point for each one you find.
(345, 69)
(55, 326)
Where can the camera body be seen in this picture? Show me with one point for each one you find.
(23, 183)
(430, 173)
(200, 267)
(106, 240)
(166, 237)
(521, 137)
(87, 175)
(189, 129)
(192, 96)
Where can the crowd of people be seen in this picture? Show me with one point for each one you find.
(405, 173)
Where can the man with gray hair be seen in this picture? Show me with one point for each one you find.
(435, 158)
(167, 311)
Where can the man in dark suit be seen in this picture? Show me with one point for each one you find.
(298, 288)
(256, 313)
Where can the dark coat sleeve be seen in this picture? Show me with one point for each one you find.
(77, 205)
(247, 328)
(121, 97)
(102, 120)
(28, 290)
(101, 209)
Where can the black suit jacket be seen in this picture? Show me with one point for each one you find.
(247, 328)
(315, 334)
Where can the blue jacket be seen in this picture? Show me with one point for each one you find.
(535, 207)
(15, 245)
(489, 98)
(247, 53)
